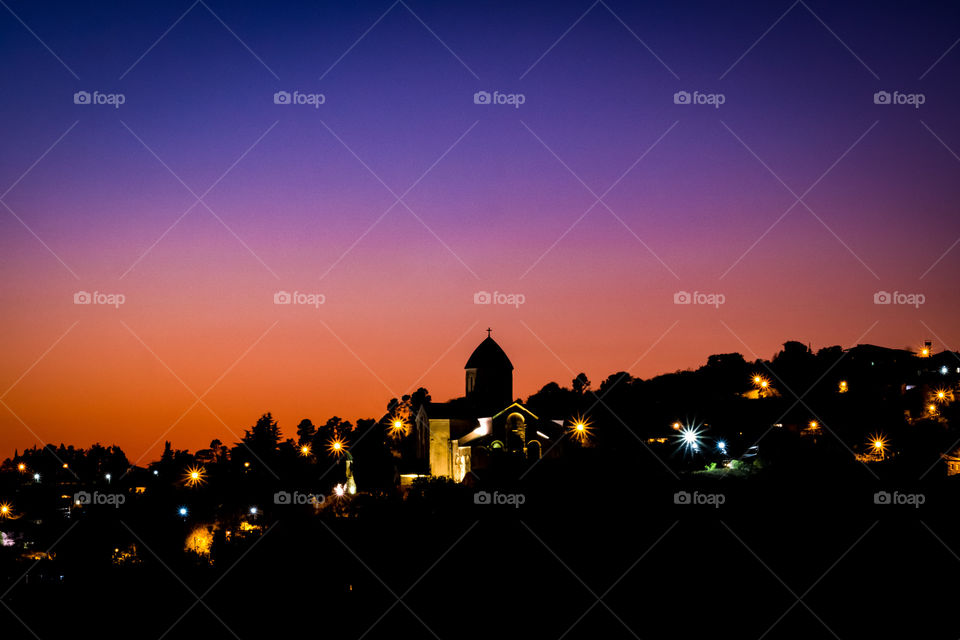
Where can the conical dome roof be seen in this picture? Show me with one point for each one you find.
(488, 355)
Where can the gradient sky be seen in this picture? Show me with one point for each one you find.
(99, 199)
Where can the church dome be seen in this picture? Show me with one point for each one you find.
(488, 355)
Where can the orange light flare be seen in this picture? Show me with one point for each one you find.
(878, 442)
(337, 447)
(942, 396)
(6, 510)
(760, 381)
(195, 476)
(22, 468)
(580, 428)
(398, 428)
(305, 451)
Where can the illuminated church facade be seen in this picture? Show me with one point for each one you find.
(487, 425)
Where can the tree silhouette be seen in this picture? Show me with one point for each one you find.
(581, 383)
(264, 437)
(306, 431)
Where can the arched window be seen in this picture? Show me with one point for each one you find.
(534, 450)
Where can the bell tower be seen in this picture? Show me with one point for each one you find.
(489, 376)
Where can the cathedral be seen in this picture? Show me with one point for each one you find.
(486, 425)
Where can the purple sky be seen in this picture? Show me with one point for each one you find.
(494, 198)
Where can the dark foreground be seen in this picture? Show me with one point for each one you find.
(782, 557)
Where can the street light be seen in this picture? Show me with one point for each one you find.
(879, 443)
(398, 428)
(690, 439)
(305, 450)
(337, 446)
(580, 428)
(195, 476)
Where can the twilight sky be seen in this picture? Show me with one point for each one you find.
(597, 199)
